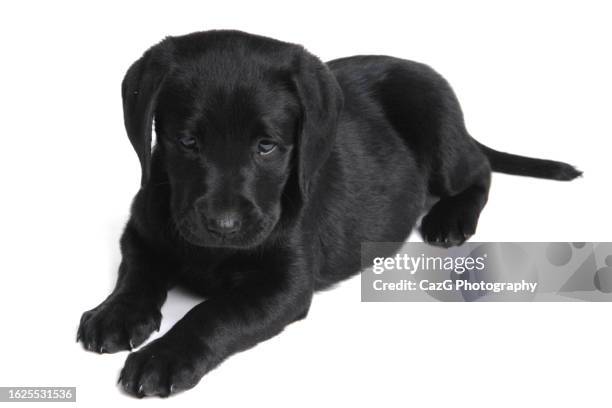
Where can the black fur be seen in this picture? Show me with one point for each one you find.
(271, 168)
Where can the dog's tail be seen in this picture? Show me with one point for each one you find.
(526, 166)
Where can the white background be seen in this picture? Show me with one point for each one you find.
(533, 78)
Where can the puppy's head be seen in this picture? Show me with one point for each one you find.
(241, 122)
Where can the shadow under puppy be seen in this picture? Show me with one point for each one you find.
(270, 169)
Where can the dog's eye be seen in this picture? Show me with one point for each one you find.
(266, 147)
(187, 142)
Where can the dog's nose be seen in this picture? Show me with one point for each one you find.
(224, 223)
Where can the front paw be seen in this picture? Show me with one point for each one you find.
(119, 323)
(162, 368)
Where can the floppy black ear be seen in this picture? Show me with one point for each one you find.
(321, 102)
(139, 91)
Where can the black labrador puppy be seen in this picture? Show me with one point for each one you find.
(269, 171)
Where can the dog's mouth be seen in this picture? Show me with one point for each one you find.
(195, 233)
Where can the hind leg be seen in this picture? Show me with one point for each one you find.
(424, 110)
(453, 219)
